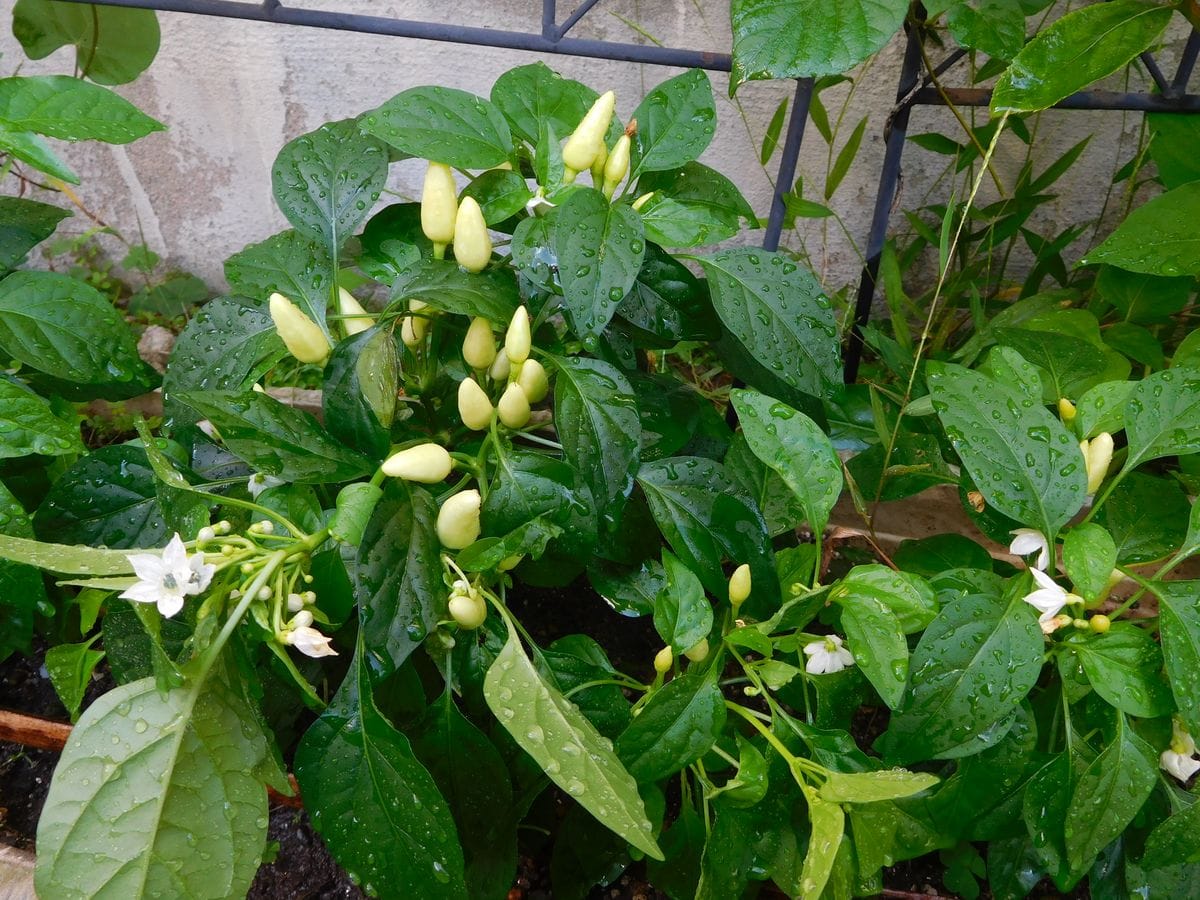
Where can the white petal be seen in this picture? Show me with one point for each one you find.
(148, 567)
(1182, 767)
(1045, 581)
(1049, 602)
(1026, 541)
(169, 604)
(201, 574)
(174, 555)
(816, 663)
(814, 648)
(845, 657)
(310, 642)
(143, 592)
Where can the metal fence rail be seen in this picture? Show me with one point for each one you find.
(552, 38)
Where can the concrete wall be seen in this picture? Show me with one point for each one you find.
(233, 92)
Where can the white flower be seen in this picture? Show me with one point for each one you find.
(827, 656)
(258, 482)
(165, 580)
(1026, 541)
(538, 206)
(209, 429)
(1179, 759)
(1048, 599)
(310, 642)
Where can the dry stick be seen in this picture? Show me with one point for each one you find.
(46, 734)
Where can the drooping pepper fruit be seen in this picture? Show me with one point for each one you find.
(583, 146)
(479, 346)
(472, 243)
(439, 206)
(355, 319)
(424, 463)
(474, 407)
(458, 520)
(533, 380)
(517, 340)
(301, 335)
(513, 407)
(617, 166)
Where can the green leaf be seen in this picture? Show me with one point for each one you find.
(362, 379)
(29, 426)
(276, 439)
(692, 206)
(70, 667)
(397, 575)
(64, 558)
(1069, 365)
(287, 263)
(845, 159)
(373, 802)
(1143, 298)
(1124, 667)
(1175, 840)
(972, 667)
(596, 414)
(750, 784)
(28, 147)
(112, 45)
(500, 193)
(67, 329)
(1162, 417)
(777, 311)
(871, 787)
(780, 507)
(600, 250)
(795, 448)
(682, 614)
(668, 303)
(771, 135)
(23, 225)
(877, 642)
(1024, 462)
(909, 596)
(706, 519)
(552, 730)
(532, 94)
(227, 346)
(679, 724)
(675, 123)
(1179, 628)
(141, 772)
(1044, 810)
(828, 828)
(1102, 408)
(444, 285)
(1155, 238)
(443, 125)
(1108, 795)
(326, 181)
(801, 38)
(1089, 556)
(107, 499)
(67, 108)
(1081, 47)
(997, 27)
(1146, 517)
(939, 553)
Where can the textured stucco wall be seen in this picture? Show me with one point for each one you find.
(233, 92)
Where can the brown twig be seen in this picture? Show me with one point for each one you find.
(46, 734)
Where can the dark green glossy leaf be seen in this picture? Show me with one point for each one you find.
(682, 614)
(1179, 627)
(29, 426)
(500, 194)
(1146, 516)
(676, 122)
(362, 378)
(933, 555)
(326, 181)
(227, 346)
(28, 147)
(668, 303)
(1089, 556)
(1021, 458)
(972, 667)
(876, 639)
(532, 94)
(287, 263)
(397, 576)
(276, 439)
(675, 728)
(1108, 795)
(66, 328)
(443, 125)
(692, 206)
(909, 596)
(1162, 417)
(600, 250)
(376, 806)
(780, 507)
(444, 285)
(778, 313)
(23, 225)
(70, 667)
(1124, 667)
(1175, 840)
(1047, 799)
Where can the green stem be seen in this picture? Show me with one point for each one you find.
(274, 561)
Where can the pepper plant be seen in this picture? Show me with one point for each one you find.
(507, 408)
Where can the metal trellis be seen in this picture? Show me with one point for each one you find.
(552, 38)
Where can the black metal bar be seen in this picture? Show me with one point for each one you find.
(1086, 100)
(436, 31)
(549, 14)
(787, 162)
(580, 11)
(1187, 62)
(1160, 80)
(889, 179)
